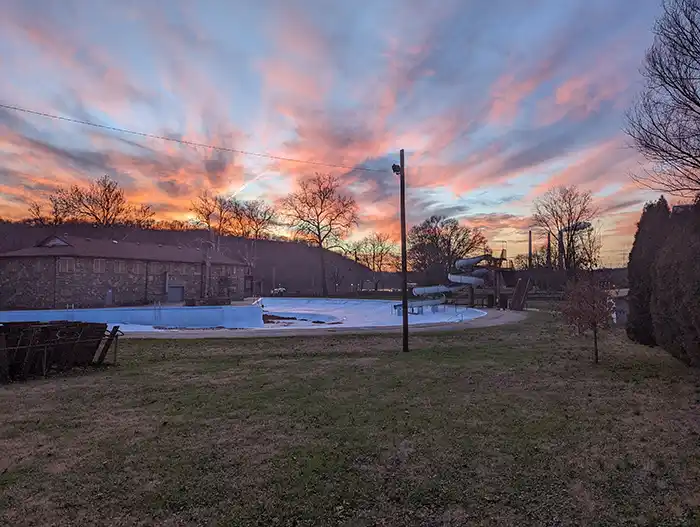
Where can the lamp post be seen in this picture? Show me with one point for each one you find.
(504, 247)
(399, 170)
(573, 228)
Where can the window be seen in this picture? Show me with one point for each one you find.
(120, 266)
(137, 268)
(98, 265)
(66, 265)
(172, 268)
(38, 266)
(183, 269)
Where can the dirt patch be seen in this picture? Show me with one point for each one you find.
(286, 321)
(272, 319)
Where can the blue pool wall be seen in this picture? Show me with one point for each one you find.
(231, 317)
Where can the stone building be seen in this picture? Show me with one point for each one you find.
(62, 271)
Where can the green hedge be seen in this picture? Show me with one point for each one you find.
(650, 237)
(675, 300)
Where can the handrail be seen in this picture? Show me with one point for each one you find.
(421, 303)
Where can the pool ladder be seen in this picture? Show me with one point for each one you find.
(157, 311)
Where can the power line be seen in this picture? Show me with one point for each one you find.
(182, 141)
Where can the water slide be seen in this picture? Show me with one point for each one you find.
(467, 275)
(434, 295)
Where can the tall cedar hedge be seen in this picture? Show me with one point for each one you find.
(652, 230)
(664, 279)
(675, 300)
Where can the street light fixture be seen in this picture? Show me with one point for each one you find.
(400, 171)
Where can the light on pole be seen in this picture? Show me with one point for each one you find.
(400, 171)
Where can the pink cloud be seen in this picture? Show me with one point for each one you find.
(600, 165)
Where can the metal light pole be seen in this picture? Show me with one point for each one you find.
(400, 171)
(504, 248)
(573, 228)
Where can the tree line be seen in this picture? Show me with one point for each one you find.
(318, 214)
(321, 215)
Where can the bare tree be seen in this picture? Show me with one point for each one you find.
(172, 225)
(320, 213)
(520, 262)
(664, 122)
(255, 219)
(215, 214)
(222, 215)
(352, 249)
(377, 252)
(102, 202)
(337, 278)
(379, 248)
(587, 306)
(436, 244)
(539, 257)
(590, 243)
(57, 213)
(141, 217)
(563, 210)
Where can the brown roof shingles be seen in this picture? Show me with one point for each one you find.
(119, 250)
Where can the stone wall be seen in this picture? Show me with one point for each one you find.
(32, 283)
(27, 283)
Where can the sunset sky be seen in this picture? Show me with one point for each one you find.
(494, 101)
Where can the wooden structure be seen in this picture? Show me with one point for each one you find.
(522, 287)
(30, 349)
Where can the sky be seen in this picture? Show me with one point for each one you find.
(493, 101)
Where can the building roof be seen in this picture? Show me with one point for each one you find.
(73, 246)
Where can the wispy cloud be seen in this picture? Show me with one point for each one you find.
(494, 102)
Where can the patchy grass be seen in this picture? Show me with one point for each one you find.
(498, 426)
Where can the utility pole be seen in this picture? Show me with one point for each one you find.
(404, 263)
(401, 172)
(561, 249)
(529, 249)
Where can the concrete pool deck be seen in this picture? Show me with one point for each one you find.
(493, 317)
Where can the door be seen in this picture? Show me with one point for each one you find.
(109, 298)
(176, 293)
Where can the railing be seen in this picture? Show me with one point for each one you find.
(420, 304)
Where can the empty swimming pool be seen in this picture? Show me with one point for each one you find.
(287, 313)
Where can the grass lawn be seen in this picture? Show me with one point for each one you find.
(499, 426)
